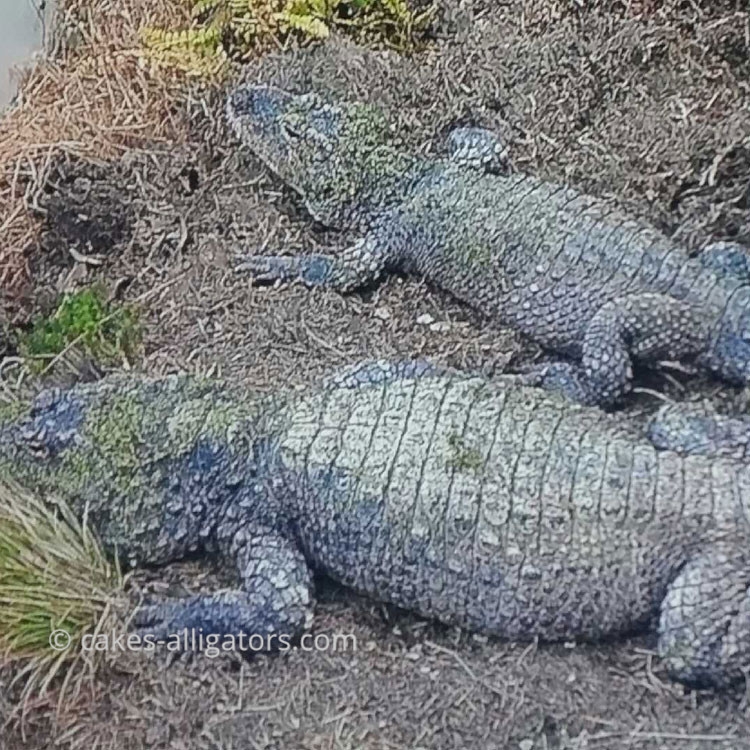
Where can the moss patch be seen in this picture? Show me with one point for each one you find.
(464, 457)
(208, 420)
(107, 332)
(117, 434)
(12, 410)
(477, 254)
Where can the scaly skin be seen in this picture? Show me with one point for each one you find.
(566, 269)
(495, 506)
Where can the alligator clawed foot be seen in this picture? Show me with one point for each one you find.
(266, 269)
(160, 621)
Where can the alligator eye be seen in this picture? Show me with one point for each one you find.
(37, 448)
(291, 130)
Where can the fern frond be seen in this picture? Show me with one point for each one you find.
(202, 8)
(310, 25)
(225, 30)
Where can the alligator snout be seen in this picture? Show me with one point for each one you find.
(257, 106)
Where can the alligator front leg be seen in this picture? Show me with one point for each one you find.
(704, 628)
(275, 598)
(358, 265)
(643, 326)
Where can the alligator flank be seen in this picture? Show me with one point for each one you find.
(494, 506)
(568, 270)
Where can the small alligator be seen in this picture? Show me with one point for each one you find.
(494, 506)
(568, 270)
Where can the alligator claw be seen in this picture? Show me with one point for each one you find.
(266, 268)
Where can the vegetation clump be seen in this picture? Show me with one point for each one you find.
(107, 332)
(464, 457)
(226, 31)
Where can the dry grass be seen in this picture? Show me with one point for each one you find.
(95, 97)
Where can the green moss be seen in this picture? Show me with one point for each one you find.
(105, 331)
(477, 254)
(117, 433)
(114, 434)
(464, 457)
(209, 419)
(10, 411)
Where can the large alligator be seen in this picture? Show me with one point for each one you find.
(491, 505)
(568, 270)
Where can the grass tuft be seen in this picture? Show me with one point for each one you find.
(53, 576)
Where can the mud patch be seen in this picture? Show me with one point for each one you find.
(85, 208)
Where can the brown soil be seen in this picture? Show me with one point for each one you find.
(645, 102)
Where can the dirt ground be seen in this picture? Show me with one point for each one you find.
(644, 102)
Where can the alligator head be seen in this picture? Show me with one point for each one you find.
(33, 439)
(336, 156)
